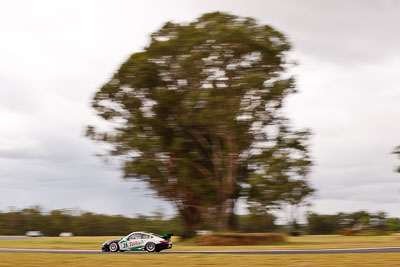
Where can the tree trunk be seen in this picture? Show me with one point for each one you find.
(192, 219)
(227, 188)
(225, 215)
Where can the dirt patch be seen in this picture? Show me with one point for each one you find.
(239, 239)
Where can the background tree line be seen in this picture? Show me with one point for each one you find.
(82, 223)
(323, 224)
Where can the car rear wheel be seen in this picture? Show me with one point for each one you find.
(151, 247)
(114, 247)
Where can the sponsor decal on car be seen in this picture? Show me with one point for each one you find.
(128, 244)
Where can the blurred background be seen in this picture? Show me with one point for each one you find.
(55, 56)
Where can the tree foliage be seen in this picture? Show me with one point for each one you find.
(323, 224)
(397, 152)
(84, 223)
(377, 222)
(197, 115)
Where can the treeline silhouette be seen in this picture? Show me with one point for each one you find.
(83, 223)
(360, 221)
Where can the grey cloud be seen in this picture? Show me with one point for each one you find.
(56, 54)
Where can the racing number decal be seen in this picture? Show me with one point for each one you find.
(132, 244)
(124, 245)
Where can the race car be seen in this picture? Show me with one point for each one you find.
(139, 241)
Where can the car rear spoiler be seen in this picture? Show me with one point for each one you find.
(167, 236)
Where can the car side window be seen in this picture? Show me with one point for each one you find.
(138, 236)
(145, 237)
(135, 236)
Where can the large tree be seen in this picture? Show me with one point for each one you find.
(197, 115)
(397, 152)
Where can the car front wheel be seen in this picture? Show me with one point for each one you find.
(150, 247)
(114, 247)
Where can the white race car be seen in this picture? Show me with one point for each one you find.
(139, 241)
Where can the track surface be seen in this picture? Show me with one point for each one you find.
(302, 251)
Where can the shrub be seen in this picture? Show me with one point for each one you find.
(253, 223)
(322, 224)
(240, 239)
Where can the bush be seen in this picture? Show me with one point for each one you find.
(322, 224)
(348, 231)
(393, 224)
(239, 239)
(253, 223)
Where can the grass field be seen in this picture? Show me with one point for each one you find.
(55, 260)
(120, 259)
(302, 242)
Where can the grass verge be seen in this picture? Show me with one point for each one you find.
(55, 260)
(301, 242)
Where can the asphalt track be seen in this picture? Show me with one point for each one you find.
(240, 252)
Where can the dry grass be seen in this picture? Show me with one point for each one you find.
(301, 242)
(311, 242)
(56, 260)
(81, 242)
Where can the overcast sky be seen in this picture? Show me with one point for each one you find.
(55, 54)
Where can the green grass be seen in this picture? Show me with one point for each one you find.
(301, 242)
(56, 260)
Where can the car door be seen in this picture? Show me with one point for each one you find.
(135, 242)
(145, 238)
(132, 242)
